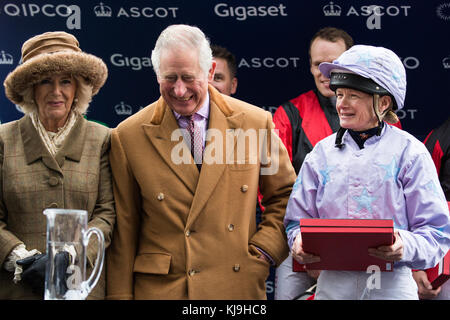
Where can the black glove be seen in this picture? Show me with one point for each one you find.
(34, 272)
(61, 263)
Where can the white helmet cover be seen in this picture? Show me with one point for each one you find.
(381, 65)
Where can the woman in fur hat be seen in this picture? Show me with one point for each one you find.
(51, 158)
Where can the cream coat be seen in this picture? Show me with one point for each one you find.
(185, 235)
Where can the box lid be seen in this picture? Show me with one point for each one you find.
(342, 244)
(350, 223)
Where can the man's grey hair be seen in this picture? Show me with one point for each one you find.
(180, 36)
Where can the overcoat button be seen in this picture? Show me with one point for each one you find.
(161, 196)
(192, 272)
(53, 181)
(236, 268)
(244, 188)
(188, 233)
(230, 227)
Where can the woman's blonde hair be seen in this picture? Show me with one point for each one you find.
(387, 115)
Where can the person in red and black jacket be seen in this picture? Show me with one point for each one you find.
(438, 144)
(301, 123)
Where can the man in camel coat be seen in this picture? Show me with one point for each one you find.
(186, 229)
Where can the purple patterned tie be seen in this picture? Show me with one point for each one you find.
(196, 141)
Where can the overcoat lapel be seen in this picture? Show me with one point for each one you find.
(222, 118)
(74, 143)
(33, 145)
(159, 130)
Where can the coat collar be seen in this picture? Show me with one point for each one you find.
(162, 124)
(35, 149)
(75, 140)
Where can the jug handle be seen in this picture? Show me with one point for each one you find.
(89, 284)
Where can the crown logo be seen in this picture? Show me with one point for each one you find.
(102, 11)
(123, 109)
(5, 58)
(332, 10)
(446, 62)
(443, 11)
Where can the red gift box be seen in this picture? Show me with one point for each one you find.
(342, 244)
(440, 273)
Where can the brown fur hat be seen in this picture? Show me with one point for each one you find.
(53, 53)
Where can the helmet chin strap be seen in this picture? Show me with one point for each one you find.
(338, 141)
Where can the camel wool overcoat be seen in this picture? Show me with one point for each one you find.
(185, 234)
